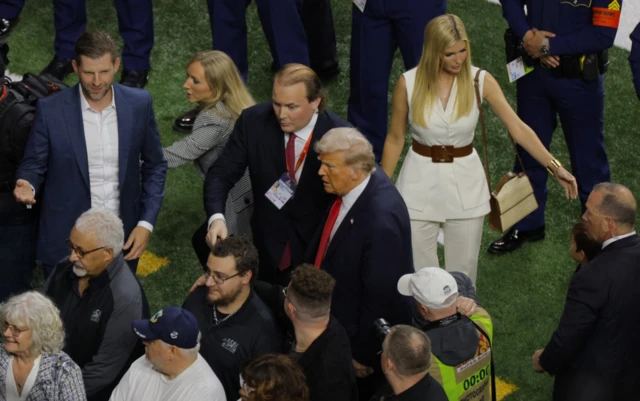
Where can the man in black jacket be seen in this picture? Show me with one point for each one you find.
(594, 351)
(98, 297)
(275, 141)
(236, 325)
(320, 344)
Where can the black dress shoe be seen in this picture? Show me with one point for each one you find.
(513, 239)
(6, 25)
(58, 68)
(184, 123)
(134, 79)
(326, 72)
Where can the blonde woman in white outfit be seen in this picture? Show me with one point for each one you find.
(448, 189)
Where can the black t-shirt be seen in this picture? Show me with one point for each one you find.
(427, 389)
(249, 332)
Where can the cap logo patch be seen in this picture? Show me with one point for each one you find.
(174, 334)
(446, 290)
(155, 317)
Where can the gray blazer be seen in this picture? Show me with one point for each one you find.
(208, 137)
(58, 379)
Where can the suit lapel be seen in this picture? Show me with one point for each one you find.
(75, 131)
(274, 141)
(352, 218)
(124, 113)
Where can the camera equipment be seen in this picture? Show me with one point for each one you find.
(381, 328)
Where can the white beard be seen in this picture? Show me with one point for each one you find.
(79, 271)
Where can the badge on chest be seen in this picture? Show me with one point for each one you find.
(281, 191)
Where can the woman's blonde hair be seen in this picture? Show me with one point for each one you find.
(441, 33)
(223, 78)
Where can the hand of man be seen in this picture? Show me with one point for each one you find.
(550, 61)
(361, 370)
(536, 361)
(137, 243)
(24, 193)
(199, 283)
(465, 306)
(533, 43)
(217, 230)
(568, 182)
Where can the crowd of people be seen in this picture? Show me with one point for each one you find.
(321, 277)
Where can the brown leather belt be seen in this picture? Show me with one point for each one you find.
(441, 153)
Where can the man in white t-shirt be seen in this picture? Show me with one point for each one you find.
(172, 368)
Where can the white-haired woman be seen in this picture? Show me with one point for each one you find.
(33, 366)
(437, 99)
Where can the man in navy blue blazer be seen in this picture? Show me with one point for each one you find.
(364, 242)
(95, 144)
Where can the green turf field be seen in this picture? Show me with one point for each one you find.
(524, 291)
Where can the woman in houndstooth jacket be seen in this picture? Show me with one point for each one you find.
(33, 366)
(213, 82)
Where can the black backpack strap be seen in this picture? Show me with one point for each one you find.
(493, 370)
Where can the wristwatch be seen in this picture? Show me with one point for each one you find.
(544, 50)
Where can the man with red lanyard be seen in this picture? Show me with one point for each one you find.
(275, 141)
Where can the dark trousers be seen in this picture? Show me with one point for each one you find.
(317, 20)
(10, 9)
(376, 34)
(542, 98)
(18, 227)
(135, 21)
(281, 24)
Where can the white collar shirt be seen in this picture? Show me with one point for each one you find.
(619, 237)
(101, 138)
(348, 201)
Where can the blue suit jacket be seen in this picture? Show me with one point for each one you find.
(367, 255)
(55, 163)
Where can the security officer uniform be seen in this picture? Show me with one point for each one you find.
(281, 24)
(376, 33)
(135, 20)
(634, 58)
(574, 91)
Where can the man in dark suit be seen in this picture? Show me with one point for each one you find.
(594, 351)
(85, 150)
(276, 141)
(365, 242)
(634, 58)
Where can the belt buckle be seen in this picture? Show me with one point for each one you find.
(442, 154)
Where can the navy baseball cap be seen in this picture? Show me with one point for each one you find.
(173, 325)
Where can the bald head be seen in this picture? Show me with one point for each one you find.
(618, 203)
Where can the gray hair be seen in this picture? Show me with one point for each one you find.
(188, 352)
(409, 349)
(358, 151)
(106, 226)
(618, 203)
(41, 316)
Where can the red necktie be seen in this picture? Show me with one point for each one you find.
(290, 155)
(326, 231)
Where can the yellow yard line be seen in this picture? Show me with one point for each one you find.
(150, 263)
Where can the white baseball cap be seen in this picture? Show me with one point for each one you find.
(433, 287)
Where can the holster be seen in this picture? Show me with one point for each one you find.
(513, 48)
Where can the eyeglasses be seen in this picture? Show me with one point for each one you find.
(15, 330)
(247, 390)
(217, 278)
(81, 254)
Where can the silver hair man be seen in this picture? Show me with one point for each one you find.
(105, 225)
(358, 151)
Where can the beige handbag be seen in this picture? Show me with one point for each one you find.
(513, 198)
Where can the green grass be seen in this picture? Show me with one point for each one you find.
(524, 291)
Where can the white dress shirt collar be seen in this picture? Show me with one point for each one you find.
(308, 129)
(352, 196)
(619, 237)
(84, 104)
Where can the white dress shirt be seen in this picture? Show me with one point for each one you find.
(10, 382)
(101, 138)
(619, 237)
(301, 139)
(348, 201)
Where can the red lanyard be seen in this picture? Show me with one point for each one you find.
(303, 154)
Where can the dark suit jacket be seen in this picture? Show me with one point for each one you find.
(595, 349)
(55, 163)
(257, 142)
(367, 255)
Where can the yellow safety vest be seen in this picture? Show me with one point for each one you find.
(471, 380)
